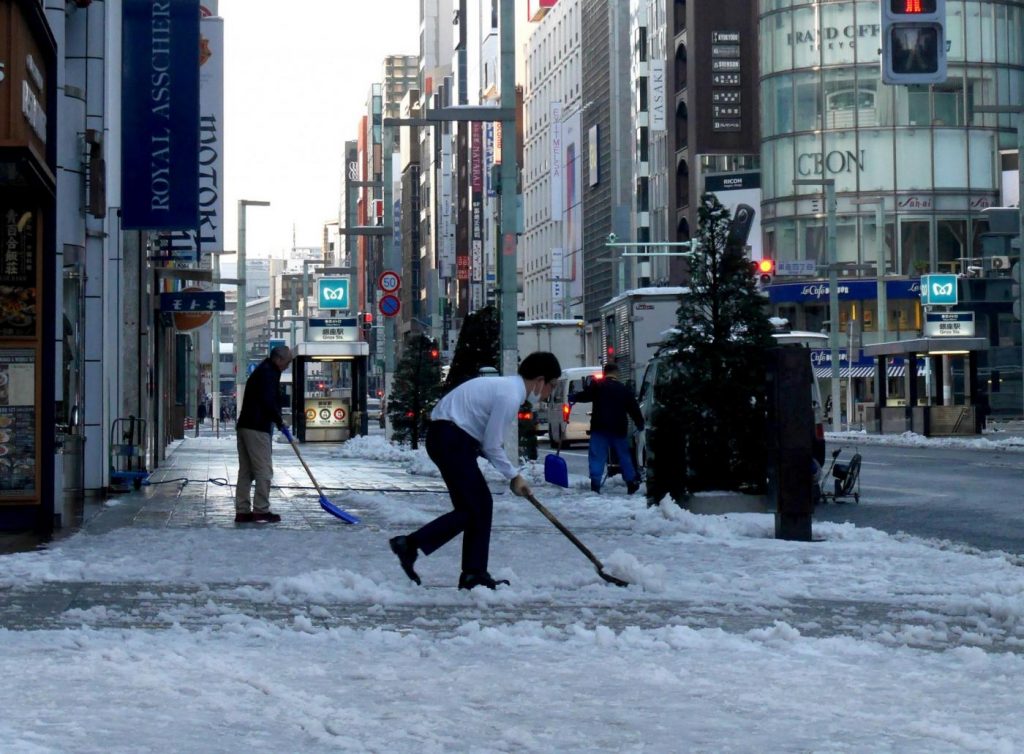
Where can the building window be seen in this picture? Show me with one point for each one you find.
(641, 44)
(642, 195)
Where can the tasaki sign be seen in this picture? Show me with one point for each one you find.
(333, 293)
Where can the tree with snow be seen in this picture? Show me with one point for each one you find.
(479, 346)
(708, 428)
(416, 388)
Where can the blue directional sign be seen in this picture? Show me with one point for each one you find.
(332, 293)
(192, 301)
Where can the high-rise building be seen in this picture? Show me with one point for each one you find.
(606, 139)
(551, 246)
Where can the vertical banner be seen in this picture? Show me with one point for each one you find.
(558, 282)
(656, 94)
(476, 262)
(593, 156)
(557, 166)
(572, 225)
(445, 207)
(491, 189)
(160, 114)
(188, 244)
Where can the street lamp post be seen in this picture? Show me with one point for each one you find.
(241, 356)
(829, 185)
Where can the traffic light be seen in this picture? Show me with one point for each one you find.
(765, 269)
(913, 41)
(367, 324)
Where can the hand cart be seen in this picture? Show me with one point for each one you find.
(128, 451)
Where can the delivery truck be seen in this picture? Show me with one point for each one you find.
(633, 324)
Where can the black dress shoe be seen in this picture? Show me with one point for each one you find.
(406, 553)
(632, 487)
(471, 580)
(595, 486)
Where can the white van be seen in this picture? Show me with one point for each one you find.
(793, 337)
(568, 424)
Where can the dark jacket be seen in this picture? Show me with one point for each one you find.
(261, 408)
(612, 401)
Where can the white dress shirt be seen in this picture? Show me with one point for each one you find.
(483, 407)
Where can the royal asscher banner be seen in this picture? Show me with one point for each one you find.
(160, 114)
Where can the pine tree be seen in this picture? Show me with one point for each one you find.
(479, 346)
(708, 432)
(417, 387)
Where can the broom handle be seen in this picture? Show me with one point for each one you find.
(302, 460)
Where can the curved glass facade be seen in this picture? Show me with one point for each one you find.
(923, 151)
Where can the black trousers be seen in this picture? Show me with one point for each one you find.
(455, 452)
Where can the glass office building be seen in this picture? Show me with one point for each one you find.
(923, 151)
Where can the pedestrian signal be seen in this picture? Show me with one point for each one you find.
(913, 41)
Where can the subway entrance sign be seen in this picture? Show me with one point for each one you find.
(333, 293)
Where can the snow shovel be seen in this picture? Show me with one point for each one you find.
(555, 470)
(579, 545)
(326, 504)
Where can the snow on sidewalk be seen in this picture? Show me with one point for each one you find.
(213, 639)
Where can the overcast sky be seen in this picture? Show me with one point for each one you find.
(297, 76)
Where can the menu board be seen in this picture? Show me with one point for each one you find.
(17, 423)
(18, 272)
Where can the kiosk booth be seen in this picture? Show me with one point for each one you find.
(329, 390)
(919, 412)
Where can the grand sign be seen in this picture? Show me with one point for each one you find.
(160, 114)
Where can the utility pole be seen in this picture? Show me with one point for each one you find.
(508, 175)
(241, 352)
(833, 289)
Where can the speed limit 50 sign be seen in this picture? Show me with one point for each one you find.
(389, 281)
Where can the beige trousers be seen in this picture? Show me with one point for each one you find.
(254, 463)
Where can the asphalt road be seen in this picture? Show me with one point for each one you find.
(972, 497)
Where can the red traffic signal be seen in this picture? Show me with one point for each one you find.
(766, 266)
(367, 318)
(434, 353)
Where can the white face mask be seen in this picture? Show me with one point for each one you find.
(534, 398)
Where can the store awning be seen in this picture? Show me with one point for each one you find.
(825, 373)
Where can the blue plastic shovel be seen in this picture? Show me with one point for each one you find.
(326, 504)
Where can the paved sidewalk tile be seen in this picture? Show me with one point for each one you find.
(195, 487)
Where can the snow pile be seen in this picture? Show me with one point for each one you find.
(375, 448)
(914, 440)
